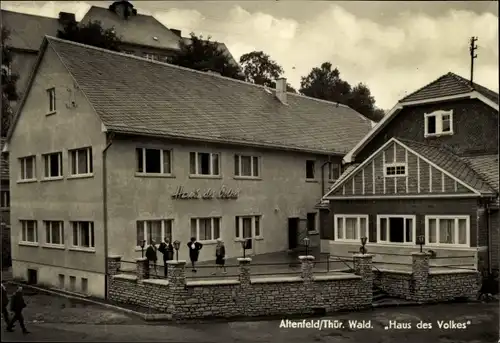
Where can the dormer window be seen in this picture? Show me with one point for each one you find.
(438, 123)
(151, 57)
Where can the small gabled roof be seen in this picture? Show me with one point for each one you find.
(133, 95)
(487, 167)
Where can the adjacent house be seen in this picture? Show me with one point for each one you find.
(428, 170)
(110, 150)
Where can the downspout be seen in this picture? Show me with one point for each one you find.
(488, 235)
(105, 212)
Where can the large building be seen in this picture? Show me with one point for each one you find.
(429, 169)
(109, 150)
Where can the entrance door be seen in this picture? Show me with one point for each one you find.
(249, 228)
(293, 232)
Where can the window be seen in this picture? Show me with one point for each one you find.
(7, 68)
(395, 169)
(246, 166)
(334, 171)
(396, 229)
(156, 230)
(61, 281)
(311, 222)
(154, 161)
(205, 229)
(29, 232)
(447, 230)
(310, 169)
(53, 165)
(51, 93)
(85, 285)
(4, 199)
(83, 234)
(54, 232)
(438, 123)
(248, 227)
(72, 283)
(351, 227)
(151, 57)
(204, 163)
(27, 166)
(81, 161)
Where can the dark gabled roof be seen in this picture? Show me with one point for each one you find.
(137, 96)
(26, 30)
(137, 29)
(487, 167)
(448, 85)
(221, 47)
(452, 163)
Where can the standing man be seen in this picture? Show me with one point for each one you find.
(17, 306)
(151, 255)
(5, 302)
(194, 252)
(167, 249)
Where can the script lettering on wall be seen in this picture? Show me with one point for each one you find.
(222, 193)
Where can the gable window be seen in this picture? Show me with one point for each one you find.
(53, 165)
(29, 232)
(246, 166)
(398, 229)
(447, 230)
(204, 163)
(153, 161)
(27, 166)
(247, 227)
(51, 94)
(81, 161)
(205, 229)
(83, 235)
(334, 171)
(438, 123)
(156, 230)
(311, 221)
(54, 233)
(4, 199)
(310, 169)
(350, 227)
(151, 57)
(395, 169)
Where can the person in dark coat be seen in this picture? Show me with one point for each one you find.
(220, 257)
(5, 302)
(194, 252)
(167, 249)
(17, 306)
(152, 256)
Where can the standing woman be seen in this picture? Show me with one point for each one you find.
(220, 257)
(194, 252)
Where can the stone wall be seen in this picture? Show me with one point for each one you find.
(247, 296)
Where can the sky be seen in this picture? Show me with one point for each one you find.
(392, 47)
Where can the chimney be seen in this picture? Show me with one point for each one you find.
(176, 32)
(66, 17)
(281, 89)
(123, 9)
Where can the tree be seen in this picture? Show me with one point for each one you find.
(325, 83)
(91, 33)
(202, 54)
(9, 80)
(260, 69)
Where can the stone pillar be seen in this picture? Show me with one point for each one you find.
(420, 274)
(176, 274)
(307, 266)
(114, 264)
(142, 268)
(244, 271)
(363, 267)
(177, 288)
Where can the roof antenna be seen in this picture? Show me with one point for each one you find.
(473, 56)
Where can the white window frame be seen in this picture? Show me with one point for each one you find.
(212, 226)
(145, 227)
(439, 123)
(240, 226)
(404, 217)
(78, 226)
(252, 165)
(5, 199)
(51, 93)
(73, 155)
(162, 161)
(330, 171)
(151, 57)
(358, 226)
(395, 166)
(22, 165)
(61, 233)
(454, 217)
(196, 165)
(46, 165)
(24, 232)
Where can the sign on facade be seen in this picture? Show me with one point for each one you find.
(222, 193)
